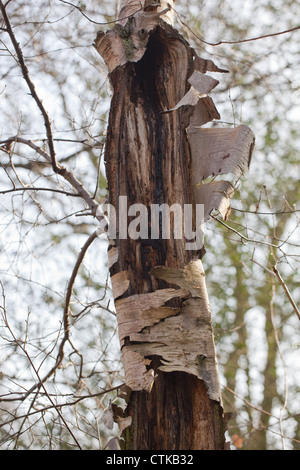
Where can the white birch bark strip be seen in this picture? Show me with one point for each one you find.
(131, 324)
(191, 277)
(185, 343)
(143, 310)
(135, 304)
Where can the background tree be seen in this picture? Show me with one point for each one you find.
(256, 325)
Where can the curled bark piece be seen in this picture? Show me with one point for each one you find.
(108, 417)
(120, 283)
(127, 41)
(214, 196)
(110, 46)
(129, 8)
(114, 414)
(205, 111)
(217, 151)
(201, 85)
(113, 444)
(206, 65)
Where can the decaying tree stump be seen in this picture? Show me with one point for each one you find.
(157, 153)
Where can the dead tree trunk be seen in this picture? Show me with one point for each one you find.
(157, 154)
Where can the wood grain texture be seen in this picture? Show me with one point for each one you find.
(180, 420)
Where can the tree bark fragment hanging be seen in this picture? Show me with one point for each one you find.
(157, 153)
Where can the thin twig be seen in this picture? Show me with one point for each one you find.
(261, 266)
(234, 42)
(292, 211)
(276, 273)
(65, 404)
(32, 188)
(98, 174)
(283, 363)
(247, 403)
(243, 238)
(72, 279)
(288, 294)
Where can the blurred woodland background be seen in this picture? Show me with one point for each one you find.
(252, 260)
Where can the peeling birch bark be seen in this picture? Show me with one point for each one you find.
(191, 277)
(135, 365)
(183, 340)
(215, 152)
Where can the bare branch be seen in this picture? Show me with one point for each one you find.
(287, 212)
(242, 237)
(77, 399)
(31, 87)
(282, 361)
(66, 174)
(234, 42)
